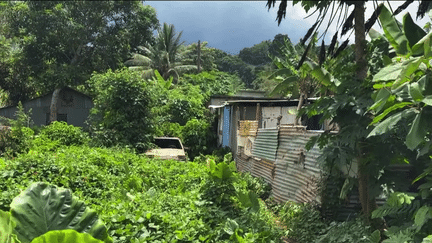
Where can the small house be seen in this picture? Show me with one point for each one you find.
(251, 109)
(73, 108)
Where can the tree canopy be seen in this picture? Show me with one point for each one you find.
(62, 43)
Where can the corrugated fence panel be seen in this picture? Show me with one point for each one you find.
(257, 167)
(266, 143)
(297, 171)
(262, 168)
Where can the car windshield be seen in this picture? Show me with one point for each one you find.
(168, 143)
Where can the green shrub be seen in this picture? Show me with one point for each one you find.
(257, 185)
(65, 134)
(197, 136)
(170, 129)
(16, 138)
(303, 221)
(122, 109)
(346, 232)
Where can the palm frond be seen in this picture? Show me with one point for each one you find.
(139, 60)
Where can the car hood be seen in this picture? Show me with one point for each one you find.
(167, 152)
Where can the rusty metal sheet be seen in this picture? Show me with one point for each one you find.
(263, 168)
(265, 144)
(297, 170)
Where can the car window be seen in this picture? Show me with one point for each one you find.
(168, 143)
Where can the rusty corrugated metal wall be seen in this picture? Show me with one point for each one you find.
(297, 170)
(280, 158)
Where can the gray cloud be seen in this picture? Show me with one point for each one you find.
(229, 26)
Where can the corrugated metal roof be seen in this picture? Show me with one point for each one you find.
(266, 143)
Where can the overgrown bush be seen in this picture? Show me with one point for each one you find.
(198, 136)
(257, 185)
(170, 129)
(65, 134)
(214, 82)
(143, 200)
(121, 113)
(16, 138)
(303, 221)
(348, 232)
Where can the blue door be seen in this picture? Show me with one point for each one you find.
(226, 127)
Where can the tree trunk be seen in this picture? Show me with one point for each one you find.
(54, 104)
(299, 106)
(360, 40)
(368, 204)
(199, 56)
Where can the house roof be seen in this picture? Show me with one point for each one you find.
(47, 94)
(268, 101)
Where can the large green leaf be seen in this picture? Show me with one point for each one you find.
(43, 207)
(6, 228)
(322, 75)
(388, 73)
(381, 100)
(388, 110)
(65, 236)
(279, 72)
(413, 32)
(284, 85)
(428, 100)
(393, 31)
(417, 132)
(390, 122)
(423, 46)
(415, 91)
(421, 216)
(409, 67)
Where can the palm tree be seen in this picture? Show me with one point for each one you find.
(165, 56)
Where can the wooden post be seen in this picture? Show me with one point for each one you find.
(199, 56)
(257, 115)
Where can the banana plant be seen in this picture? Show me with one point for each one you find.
(295, 80)
(403, 87)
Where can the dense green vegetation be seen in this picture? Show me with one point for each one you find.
(145, 86)
(139, 199)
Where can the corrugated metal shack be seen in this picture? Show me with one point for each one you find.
(264, 142)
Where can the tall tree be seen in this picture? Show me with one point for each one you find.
(165, 55)
(360, 42)
(64, 42)
(360, 145)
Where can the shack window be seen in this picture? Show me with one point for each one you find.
(312, 123)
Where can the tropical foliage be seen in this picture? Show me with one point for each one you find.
(165, 56)
(138, 199)
(122, 109)
(61, 43)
